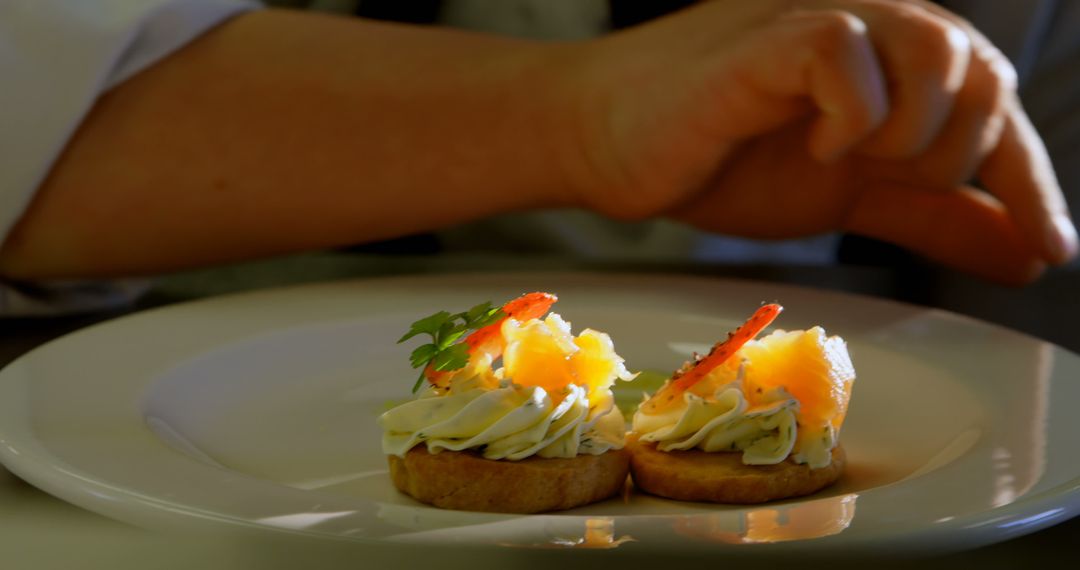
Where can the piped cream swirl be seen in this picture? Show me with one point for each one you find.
(765, 434)
(511, 422)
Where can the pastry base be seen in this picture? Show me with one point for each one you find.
(695, 475)
(468, 482)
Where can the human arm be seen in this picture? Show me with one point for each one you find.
(280, 131)
(696, 117)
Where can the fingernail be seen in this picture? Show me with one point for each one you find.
(1063, 240)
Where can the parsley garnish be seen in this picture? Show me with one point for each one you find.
(444, 352)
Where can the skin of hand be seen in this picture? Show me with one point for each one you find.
(283, 131)
(796, 118)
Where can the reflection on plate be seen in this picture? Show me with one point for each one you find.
(799, 521)
(258, 410)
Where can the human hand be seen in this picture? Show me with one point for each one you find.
(785, 119)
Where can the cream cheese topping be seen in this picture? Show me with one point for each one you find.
(766, 434)
(510, 422)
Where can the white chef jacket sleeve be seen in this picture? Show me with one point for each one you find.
(56, 58)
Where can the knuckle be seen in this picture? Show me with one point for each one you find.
(954, 38)
(982, 92)
(935, 49)
(993, 91)
(936, 43)
(1003, 71)
(989, 85)
(834, 32)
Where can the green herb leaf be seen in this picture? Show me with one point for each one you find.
(427, 325)
(449, 338)
(445, 352)
(483, 315)
(448, 333)
(419, 382)
(490, 317)
(452, 358)
(478, 312)
(423, 354)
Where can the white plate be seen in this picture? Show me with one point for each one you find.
(259, 410)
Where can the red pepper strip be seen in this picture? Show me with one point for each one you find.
(691, 374)
(763, 317)
(525, 307)
(724, 350)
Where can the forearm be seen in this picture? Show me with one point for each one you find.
(281, 131)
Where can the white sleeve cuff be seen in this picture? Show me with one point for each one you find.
(56, 58)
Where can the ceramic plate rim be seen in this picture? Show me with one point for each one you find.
(33, 461)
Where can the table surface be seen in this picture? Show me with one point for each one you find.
(39, 531)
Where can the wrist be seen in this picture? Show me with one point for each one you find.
(582, 89)
(553, 90)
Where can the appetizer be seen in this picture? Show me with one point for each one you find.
(750, 422)
(514, 413)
